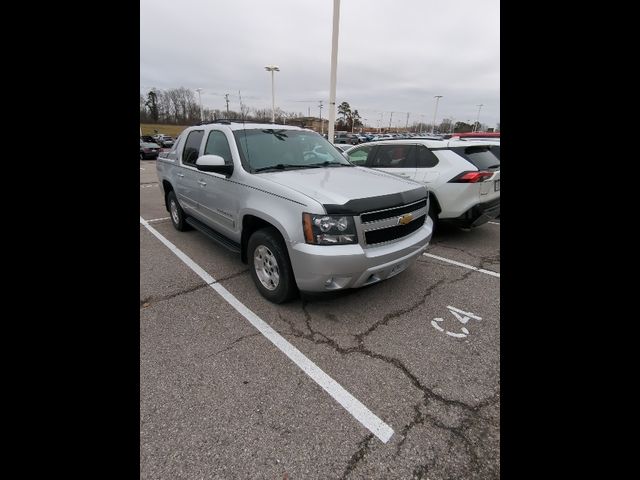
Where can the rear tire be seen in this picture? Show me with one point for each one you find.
(270, 266)
(178, 217)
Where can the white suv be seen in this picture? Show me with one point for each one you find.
(463, 176)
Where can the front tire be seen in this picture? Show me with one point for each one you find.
(178, 217)
(270, 266)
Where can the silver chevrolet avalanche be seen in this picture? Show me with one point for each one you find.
(302, 216)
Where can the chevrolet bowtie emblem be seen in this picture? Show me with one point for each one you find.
(404, 219)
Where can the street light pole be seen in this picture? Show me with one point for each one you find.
(200, 97)
(435, 112)
(272, 69)
(334, 69)
(478, 117)
(321, 122)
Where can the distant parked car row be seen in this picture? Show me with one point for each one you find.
(150, 146)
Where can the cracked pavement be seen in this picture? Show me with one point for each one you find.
(218, 400)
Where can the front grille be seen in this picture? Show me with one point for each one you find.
(393, 212)
(395, 232)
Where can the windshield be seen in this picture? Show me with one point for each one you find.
(265, 149)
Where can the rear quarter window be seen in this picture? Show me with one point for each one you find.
(479, 156)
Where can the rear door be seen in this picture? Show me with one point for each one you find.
(427, 166)
(398, 159)
(187, 188)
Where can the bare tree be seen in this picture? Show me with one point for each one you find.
(152, 104)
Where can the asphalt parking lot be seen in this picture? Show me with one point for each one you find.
(420, 352)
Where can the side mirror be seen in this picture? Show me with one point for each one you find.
(215, 164)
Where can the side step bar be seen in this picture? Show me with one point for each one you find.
(213, 235)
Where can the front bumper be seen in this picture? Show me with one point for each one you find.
(320, 268)
(478, 214)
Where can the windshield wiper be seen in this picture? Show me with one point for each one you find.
(283, 166)
(326, 163)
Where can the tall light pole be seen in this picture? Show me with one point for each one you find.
(390, 118)
(272, 68)
(478, 117)
(435, 112)
(200, 97)
(334, 69)
(321, 122)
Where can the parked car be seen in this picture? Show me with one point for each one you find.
(148, 150)
(148, 139)
(165, 141)
(346, 138)
(463, 176)
(343, 147)
(301, 215)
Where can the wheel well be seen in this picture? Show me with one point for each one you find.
(167, 188)
(250, 224)
(436, 205)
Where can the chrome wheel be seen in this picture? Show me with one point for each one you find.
(266, 267)
(174, 212)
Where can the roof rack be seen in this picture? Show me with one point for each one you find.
(226, 121)
(229, 121)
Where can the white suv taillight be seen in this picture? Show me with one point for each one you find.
(472, 177)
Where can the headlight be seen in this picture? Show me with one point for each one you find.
(329, 229)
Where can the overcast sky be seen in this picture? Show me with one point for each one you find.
(393, 55)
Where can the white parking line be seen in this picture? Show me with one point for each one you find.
(158, 219)
(460, 264)
(494, 223)
(351, 404)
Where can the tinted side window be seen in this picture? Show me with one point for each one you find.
(394, 156)
(217, 144)
(192, 147)
(480, 156)
(360, 156)
(426, 158)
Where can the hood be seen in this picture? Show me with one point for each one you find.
(335, 186)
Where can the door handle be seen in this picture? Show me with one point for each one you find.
(180, 174)
(202, 183)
